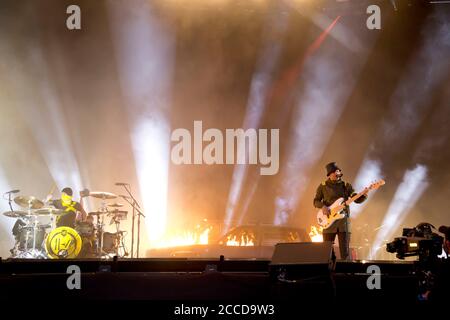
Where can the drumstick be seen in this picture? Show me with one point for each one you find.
(50, 194)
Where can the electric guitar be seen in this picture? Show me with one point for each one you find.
(339, 205)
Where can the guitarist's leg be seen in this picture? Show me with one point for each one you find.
(344, 245)
(330, 236)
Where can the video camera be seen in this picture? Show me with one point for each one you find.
(419, 241)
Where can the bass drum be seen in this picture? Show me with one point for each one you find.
(63, 243)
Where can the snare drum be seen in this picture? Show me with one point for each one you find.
(63, 243)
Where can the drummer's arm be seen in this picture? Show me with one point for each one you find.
(48, 200)
(82, 214)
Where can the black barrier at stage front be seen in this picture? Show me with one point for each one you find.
(204, 280)
(18, 266)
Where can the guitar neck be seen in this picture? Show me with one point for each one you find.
(354, 198)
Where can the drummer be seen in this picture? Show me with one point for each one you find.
(73, 210)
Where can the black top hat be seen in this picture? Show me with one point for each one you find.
(331, 167)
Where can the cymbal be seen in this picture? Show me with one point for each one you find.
(115, 205)
(102, 195)
(28, 202)
(15, 214)
(48, 211)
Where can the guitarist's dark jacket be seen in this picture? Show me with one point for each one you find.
(327, 193)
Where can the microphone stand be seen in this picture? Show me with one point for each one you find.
(10, 201)
(136, 208)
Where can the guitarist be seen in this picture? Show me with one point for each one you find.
(327, 193)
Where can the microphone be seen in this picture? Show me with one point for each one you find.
(12, 191)
(122, 184)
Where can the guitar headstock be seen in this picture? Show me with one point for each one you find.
(375, 185)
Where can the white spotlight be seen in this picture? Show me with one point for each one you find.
(53, 138)
(145, 52)
(256, 104)
(369, 172)
(408, 193)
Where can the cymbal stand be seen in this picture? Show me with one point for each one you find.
(100, 224)
(136, 211)
(9, 200)
(117, 223)
(17, 241)
(34, 221)
(120, 243)
(13, 251)
(30, 223)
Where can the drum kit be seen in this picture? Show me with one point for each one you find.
(88, 239)
(107, 243)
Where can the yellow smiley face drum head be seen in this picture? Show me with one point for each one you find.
(63, 243)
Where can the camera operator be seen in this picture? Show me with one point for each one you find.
(439, 290)
(433, 266)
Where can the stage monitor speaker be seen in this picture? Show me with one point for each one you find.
(302, 253)
(302, 259)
